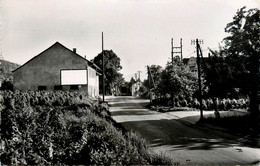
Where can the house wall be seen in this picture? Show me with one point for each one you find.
(93, 82)
(44, 70)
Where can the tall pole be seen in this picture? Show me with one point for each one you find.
(172, 50)
(178, 50)
(103, 68)
(199, 79)
(149, 84)
(139, 75)
(181, 48)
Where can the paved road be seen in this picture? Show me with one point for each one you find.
(186, 143)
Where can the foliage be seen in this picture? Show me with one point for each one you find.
(228, 70)
(244, 33)
(227, 76)
(224, 104)
(177, 80)
(155, 71)
(7, 85)
(6, 69)
(113, 79)
(64, 128)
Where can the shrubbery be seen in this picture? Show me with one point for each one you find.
(207, 104)
(41, 127)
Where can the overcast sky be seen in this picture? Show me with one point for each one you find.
(138, 31)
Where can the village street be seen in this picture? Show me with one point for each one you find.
(185, 142)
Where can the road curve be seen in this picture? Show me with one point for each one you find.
(188, 144)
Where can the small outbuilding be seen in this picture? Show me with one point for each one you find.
(58, 68)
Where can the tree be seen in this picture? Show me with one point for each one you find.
(155, 77)
(240, 59)
(113, 79)
(226, 76)
(7, 85)
(116, 84)
(229, 69)
(177, 80)
(244, 33)
(244, 41)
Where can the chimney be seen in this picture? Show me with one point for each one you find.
(85, 56)
(74, 50)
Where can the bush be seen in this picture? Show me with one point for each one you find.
(196, 103)
(7, 85)
(210, 104)
(204, 105)
(49, 128)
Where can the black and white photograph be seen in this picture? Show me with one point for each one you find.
(130, 82)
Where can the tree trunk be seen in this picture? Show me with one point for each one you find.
(254, 91)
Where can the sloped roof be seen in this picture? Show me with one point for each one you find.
(55, 44)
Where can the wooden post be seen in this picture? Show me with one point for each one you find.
(199, 78)
(103, 68)
(149, 84)
(172, 50)
(181, 49)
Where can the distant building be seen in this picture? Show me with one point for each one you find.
(58, 68)
(136, 88)
(191, 63)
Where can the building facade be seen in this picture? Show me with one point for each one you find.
(58, 68)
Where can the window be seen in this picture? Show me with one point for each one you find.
(73, 77)
(74, 87)
(42, 87)
(57, 87)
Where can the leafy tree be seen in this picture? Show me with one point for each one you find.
(177, 80)
(113, 79)
(244, 41)
(226, 76)
(244, 33)
(7, 85)
(117, 83)
(228, 71)
(155, 76)
(132, 81)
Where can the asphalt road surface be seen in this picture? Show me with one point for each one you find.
(185, 143)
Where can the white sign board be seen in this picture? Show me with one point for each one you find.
(74, 77)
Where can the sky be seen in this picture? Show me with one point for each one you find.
(138, 31)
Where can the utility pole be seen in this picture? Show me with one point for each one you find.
(149, 84)
(179, 50)
(135, 76)
(199, 77)
(151, 76)
(199, 54)
(103, 68)
(172, 51)
(139, 75)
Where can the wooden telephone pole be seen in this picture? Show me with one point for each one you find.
(103, 68)
(199, 55)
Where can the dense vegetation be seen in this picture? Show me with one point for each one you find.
(41, 127)
(6, 75)
(229, 70)
(230, 76)
(113, 78)
(209, 104)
